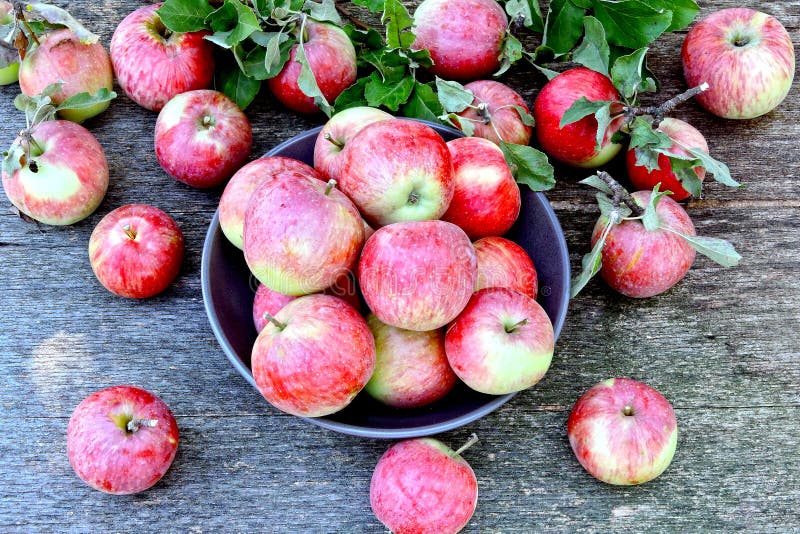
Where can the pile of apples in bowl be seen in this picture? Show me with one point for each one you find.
(380, 232)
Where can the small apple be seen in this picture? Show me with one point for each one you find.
(503, 263)
(66, 177)
(417, 275)
(10, 73)
(136, 251)
(464, 37)
(745, 56)
(486, 198)
(121, 440)
(420, 486)
(237, 193)
(499, 120)
(314, 356)
(623, 432)
(501, 343)
(397, 170)
(331, 58)
(411, 368)
(153, 64)
(575, 144)
(202, 138)
(62, 57)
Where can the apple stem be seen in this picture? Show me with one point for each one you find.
(658, 112)
(473, 439)
(627, 410)
(269, 317)
(331, 185)
(328, 137)
(130, 232)
(620, 194)
(513, 327)
(207, 120)
(21, 18)
(136, 423)
(483, 112)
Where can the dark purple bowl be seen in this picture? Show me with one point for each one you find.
(228, 296)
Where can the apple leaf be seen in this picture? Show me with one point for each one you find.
(526, 118)
(240, 88)
(306, 81)
(276, 54)
(529, 10)
(510, 54)
(324, 11)
(185, 15)
(628, 75)
(529, 166)
(717, 250)
(353, 96)
(643, 135)
(597, 183)
(389, 94)
(563, 26)
(85, 100)
(582, 108)
(453, 96)
(398, 24)
(548, 73)
(683, 11)
(721, 172)
(631, 23)
(56, 15)
(233, 23)
(593, 52)
(423, 103)
(650, 218)
(369, 38)
(375, 6)
(686, 175)
(592, 262)
(462, 123)
(13, 159)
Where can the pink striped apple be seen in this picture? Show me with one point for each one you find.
(504, 121)
(503, 263)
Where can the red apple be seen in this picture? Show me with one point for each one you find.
(575, 144)
(332, 60)
(503, 263)
(202, 138)
(9, 69)
(411, 368)
(300, 234)
(642, 263)
(501, 343)
(417, 275)
(680, 132)
(421, 486)
(486, 199)
(397, 170)
(237, 193)
(500, 120)
(464, 37)
(153, 64)
(745, 56)
(66, 177)
(62, 57)
(121, 440)
(136, 251)
(314, 356)
(623, 431)
(337, 133)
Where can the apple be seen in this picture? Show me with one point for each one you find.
(503, 263)
(486, 198)
(680, 132)
(501, 343)
(136, 251)
(411, 368)
(66, 177)
(745, 56)
(300, 234)
(10, 73)
(202, 138)
(575, 144)
(464, 37)
(623, 431)
(63, 57)
(121, 440)
(153, 64)
(499, 120)
(337, 133)
(315, 355)
(421, 485)
(237, 193)
(331, 58)
(397, 170)
(417, 275)
(641, 263)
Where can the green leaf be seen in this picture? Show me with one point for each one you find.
(61, 17)
(563, 27)
(628, 74)
(391, 64)
(398, 25)
(643, 135)
(583, 108)
(307, 82)
(529, 10)
(324, 11)
(465, 125)
(686, 175)
(453, 96)
(650, 218)
(548, 73)
(683, 11)
(529, 166)
(423, 104)
(185, 15)
(85, 100)
(596, 182)
(721, 172)
(370, 38)
(717, 250)
(593, 52)
(375, 6)
(389, 94)
(262, 63)
(353, 96)
(527, 118)
(240, 88)
(246, 23)
(510, 54)
(12, 159)
(592, 262)
(631, 23)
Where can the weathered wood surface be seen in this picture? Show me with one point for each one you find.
(723, 346)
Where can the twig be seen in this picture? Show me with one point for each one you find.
(620, 194)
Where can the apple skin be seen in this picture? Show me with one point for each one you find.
(464, 37)
(618, 448)
(298, 239)
(319, 362)
(498, 98)
(745, 56)
(10, 73)
(575, 144)
(398, 170)
(71, 178)
(684, 133)
(503, 263)
(486, 198)
(422, 486)
(331, 57)
(136, 251)
(153, 65)
(237, 193)
(639, 263)
(411, 368)
(417, 275)
(341, 128)
(82, 67)
(107, 456)
(202, 138)
(488, 357)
